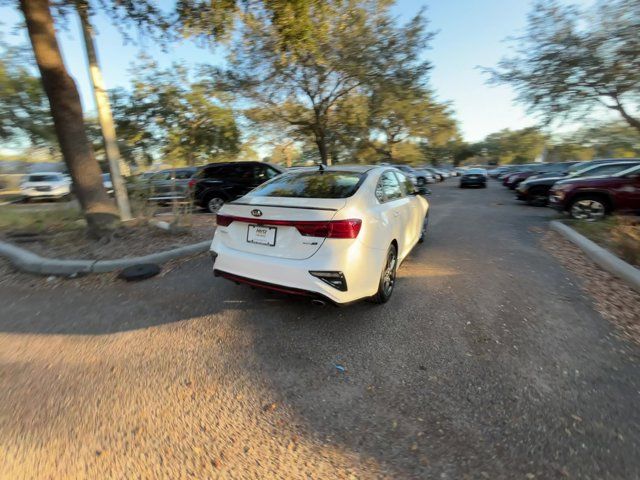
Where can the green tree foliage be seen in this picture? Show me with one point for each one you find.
(571, 60)
(614, 140)
(404, 118)
(301, 78)
(25, 119)
(512, 146)
(166, 114)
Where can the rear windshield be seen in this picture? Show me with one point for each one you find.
(314, 184)
(43, 178)
(475, 171)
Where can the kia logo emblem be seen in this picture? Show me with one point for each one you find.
(256, 213)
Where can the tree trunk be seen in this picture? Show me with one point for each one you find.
(99, 210)
(105, 117)
(634, 122)
(321, 142)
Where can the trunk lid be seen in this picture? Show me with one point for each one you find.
(251, 231)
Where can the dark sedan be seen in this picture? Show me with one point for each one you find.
(474, 177)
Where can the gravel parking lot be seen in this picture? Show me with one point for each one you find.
(488, 362)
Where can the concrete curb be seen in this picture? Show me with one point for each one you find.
(599, 255)
(27, 261)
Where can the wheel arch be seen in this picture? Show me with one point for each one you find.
(604, 196)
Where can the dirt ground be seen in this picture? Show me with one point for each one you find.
(128, 241)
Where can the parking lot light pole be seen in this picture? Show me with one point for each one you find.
(105, 116)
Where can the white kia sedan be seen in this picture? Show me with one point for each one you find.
(335, 234)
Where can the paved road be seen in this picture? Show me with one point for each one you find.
(488, 362)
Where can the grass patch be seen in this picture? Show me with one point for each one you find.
(17, 219)
(619, 234)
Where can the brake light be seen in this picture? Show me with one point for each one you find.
(325, 229)
(333, 229)
(192, 183)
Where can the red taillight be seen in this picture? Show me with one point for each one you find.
(224, 220)
(344, 228)
(326, 229)
(192, 183)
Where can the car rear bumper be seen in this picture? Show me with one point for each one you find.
(360, 265)
(474, 181)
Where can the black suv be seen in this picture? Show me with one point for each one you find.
(218, 183)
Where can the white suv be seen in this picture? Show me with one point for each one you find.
(46, 185)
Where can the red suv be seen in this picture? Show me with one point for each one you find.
(592, 198)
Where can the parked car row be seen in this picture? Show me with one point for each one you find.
(209, 186)
(584, 190)
(422, 175)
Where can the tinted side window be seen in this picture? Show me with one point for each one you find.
(161, 176)
(406, 185)
(265, 172)
(271, 172)
(215, 172)
(243, 173)
(388, 188)
(605, 170)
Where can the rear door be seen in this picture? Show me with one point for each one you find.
(161, 184)
(216, 178)
(627, 192)
(392, 208)
(413, 218)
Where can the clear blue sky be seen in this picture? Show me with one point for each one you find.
(471, 33)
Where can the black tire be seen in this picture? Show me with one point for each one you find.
(425, 226)
(589, 208)
(387, 277)
(538, 197)
(213, 203)
(421, 182)
(139, 272)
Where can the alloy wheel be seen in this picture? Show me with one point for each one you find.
(215, 204)
(588, 209)
(389, 278)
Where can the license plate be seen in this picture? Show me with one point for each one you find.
(262, 235)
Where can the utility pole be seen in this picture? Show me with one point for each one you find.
(105, 116)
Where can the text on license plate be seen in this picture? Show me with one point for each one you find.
(262, 235)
